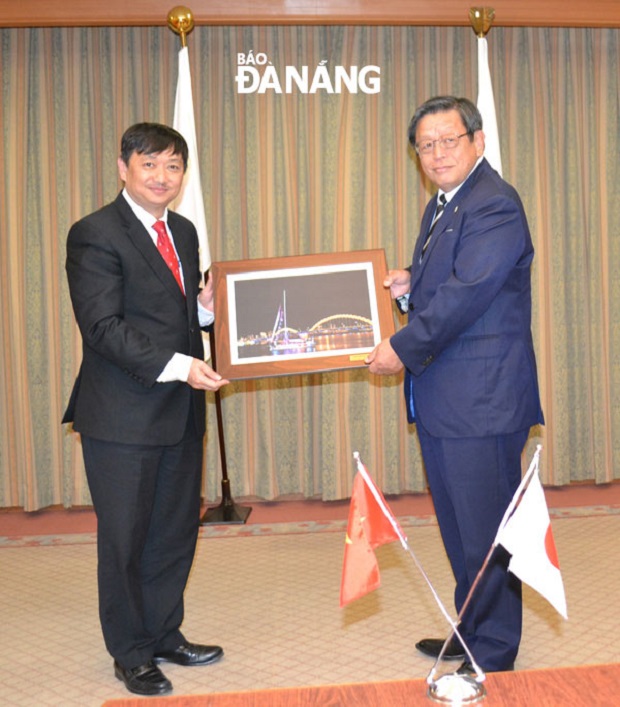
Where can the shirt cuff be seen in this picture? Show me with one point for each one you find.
(205, 316)
(177, 369)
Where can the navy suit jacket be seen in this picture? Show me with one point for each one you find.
(133, 317)
(467, 347)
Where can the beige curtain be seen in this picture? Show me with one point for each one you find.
(297, 173)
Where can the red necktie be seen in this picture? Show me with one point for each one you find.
(164, 246)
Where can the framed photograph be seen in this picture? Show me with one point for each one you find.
(299, 314)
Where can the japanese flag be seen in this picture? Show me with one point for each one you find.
(528, 537)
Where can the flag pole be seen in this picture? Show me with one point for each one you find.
(481, 19)
(228, 512)
(181, 21)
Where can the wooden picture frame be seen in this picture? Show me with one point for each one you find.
(299, 314)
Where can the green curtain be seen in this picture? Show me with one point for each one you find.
(296, 173)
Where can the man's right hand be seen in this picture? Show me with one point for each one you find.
(203, 377)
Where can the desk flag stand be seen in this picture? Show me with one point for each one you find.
(450, 688)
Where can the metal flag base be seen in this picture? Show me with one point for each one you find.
(454, 689)
(228, 512)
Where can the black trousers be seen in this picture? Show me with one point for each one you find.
(147, 502)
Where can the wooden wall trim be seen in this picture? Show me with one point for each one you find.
(528, 13)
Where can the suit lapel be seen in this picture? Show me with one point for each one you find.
(427, 219)
(418, 266)
(143, 243)
(440, 226)
(444, 222)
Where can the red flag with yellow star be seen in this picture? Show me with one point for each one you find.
(371, 524)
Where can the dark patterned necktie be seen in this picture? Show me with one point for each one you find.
(164, 246)
(441, 205)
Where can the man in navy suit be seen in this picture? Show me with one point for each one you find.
(470, 370)
(139, 404)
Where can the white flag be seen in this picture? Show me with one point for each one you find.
(528, 537)
(486, 106)
(190, 202)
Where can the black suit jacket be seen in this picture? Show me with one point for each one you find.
(133, 318)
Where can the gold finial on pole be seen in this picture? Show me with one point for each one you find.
(481, 19)
(181, 21)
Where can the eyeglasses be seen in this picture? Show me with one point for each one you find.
(448, 142)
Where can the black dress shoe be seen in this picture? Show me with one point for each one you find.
(466, 668)
(146, 679)
(191, 654)
(432, 647)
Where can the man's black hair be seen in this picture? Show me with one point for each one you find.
(152, 138)
(470, 115)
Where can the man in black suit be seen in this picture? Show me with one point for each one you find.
(139, 403)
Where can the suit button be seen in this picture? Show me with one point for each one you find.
(411, 306)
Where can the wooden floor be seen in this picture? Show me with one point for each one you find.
(584, 686)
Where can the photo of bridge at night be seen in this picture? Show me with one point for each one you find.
(335, 332)
(323, 312)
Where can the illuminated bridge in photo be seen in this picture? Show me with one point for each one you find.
(335, 323)
(321, 324)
